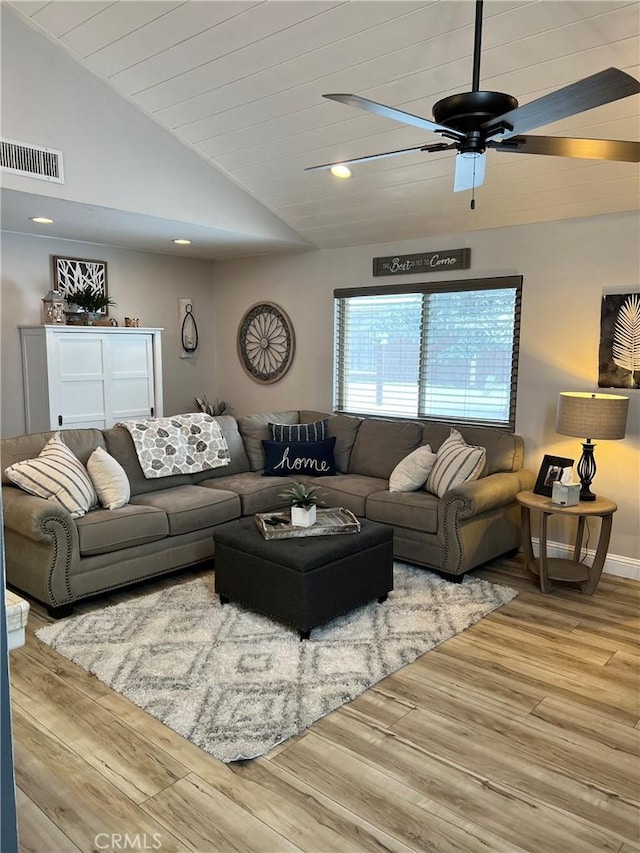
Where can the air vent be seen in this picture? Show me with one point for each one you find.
(31, 160)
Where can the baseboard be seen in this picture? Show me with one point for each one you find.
(615, 564)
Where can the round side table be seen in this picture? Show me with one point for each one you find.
(562, 569)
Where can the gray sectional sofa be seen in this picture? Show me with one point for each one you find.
(170, 522)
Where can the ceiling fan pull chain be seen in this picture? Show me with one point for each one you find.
(473, 186)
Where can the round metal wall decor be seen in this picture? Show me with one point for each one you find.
(266, 342)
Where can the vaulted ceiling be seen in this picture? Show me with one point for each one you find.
(242, 83)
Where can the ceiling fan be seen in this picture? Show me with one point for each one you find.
(478, 120)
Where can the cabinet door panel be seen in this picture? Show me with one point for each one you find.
(82, 404)
(76, 381)
(130, 378)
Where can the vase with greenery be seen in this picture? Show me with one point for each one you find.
(303, 499)
(91, 302)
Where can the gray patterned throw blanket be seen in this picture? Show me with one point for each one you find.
(182, 444)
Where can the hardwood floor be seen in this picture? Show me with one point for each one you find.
(520, 734)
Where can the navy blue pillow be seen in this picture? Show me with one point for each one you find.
(288, 458)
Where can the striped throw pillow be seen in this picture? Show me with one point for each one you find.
(456, 462)
(300, 432)
(57, 475)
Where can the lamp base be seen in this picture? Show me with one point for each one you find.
(587, 494)
(587, 471)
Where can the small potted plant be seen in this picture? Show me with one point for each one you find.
(90, 302)
(304, 500)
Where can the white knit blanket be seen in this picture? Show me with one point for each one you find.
(182, 444)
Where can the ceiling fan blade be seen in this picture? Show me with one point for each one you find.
(594, 91)
(557, 146)
(469, 172)
(396, 115)
(438, 146)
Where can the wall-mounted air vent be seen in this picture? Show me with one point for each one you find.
(31, 160)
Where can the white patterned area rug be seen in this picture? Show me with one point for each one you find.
(236, 683)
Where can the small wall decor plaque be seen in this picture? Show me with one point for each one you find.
(73, 274)
(619, 353)
(445, 259)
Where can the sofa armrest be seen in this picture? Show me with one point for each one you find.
(478, 496)
(41, 545)
(31, 516)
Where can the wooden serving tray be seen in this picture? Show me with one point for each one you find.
(328, 523)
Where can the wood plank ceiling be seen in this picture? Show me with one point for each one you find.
(242, 82)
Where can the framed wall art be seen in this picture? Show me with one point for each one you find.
(619, 352)
(266, 342)
(551, 470)
(71, 275)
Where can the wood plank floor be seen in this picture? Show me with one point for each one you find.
(520, 734)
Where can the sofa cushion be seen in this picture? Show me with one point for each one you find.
(191, 508)
(56, 474)
(348, 490)
(456, 462)
(256, 493)
(381, 444)
(344, 428)
(104, 530)
(505, 450)
(291, 458)
(109, 479)
(82, 442)
(411, 472)
(255, 428)
(120, 445)
(413, 510)
(237, 454)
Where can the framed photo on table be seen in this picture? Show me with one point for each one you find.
(551, 470)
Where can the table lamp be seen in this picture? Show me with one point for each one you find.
(602, 416)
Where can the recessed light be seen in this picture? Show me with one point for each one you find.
(41, 220)
(181, 242)
(340, 171)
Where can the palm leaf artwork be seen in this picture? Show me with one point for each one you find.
(625, 349)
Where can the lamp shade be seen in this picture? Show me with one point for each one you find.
(592, 415)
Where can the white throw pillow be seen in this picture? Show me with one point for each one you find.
(109, 479)
(57, 475)
(456, 462)
(412, 471)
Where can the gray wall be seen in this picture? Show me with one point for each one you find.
(143, 284)
(567, 266)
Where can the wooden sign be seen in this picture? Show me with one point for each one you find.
(446, 259)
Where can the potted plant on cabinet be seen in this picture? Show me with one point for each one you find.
(90, 302)
(304, 500)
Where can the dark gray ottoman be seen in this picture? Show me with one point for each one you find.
(303, 581)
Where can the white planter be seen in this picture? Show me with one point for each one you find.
(303, 516)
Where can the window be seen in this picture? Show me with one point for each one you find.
(445, 350)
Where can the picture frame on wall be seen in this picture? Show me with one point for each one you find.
(73, 274)
(551, 470)
(618, 353)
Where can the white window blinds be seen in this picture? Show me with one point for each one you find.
(444, 350)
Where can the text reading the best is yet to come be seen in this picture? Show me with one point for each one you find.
(447, 259)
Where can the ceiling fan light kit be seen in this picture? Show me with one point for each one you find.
(478, 120)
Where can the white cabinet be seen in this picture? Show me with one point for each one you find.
(90, 376)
